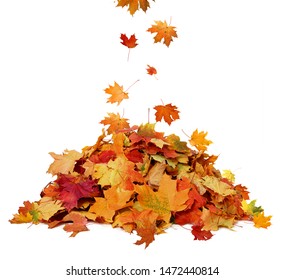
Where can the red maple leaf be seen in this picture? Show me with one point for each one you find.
(73, 188)
(200, 234)
(129, 42)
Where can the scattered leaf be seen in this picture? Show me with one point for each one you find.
(167, 112)
(151, 70)
(130, 43)
(117, 93)
(260, 221)
(164, 32)
(134, 5)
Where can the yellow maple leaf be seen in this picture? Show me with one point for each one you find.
(164, 201)
(198, 140)
(228, 174)
(217, 186)
(213, 222)
(134, 5)
(64, 163)
(261, 221)
(47, 207)
(164, 32)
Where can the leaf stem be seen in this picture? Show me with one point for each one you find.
(132, 84)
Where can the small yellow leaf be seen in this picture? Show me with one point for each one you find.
(261, 221)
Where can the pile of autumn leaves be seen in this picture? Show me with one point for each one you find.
(141, 180)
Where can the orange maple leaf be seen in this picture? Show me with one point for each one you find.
(198, 139)
(134, 5)
(151, 70)
(164, 32)
(64, 163)
(167, 112)
(115, 123)
(78, 224)
(117, 93)
(261, 221)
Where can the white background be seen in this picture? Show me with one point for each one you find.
(225, 73)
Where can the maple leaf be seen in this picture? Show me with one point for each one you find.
(130, 43)
(198, 139)
(251, 208)
(151, 70)
(164, 201)
(74, 188)
(64, 163)
(200, 234)
(48, 207)
(228, 175)
(102, 210)
(117, 93)
(24, 214)
(146, 226)
(261, 221)
(134, 5)
(167, 112)
(213, 221)
(217, 185)
(115, 123)
(78, 223)
(164, 32)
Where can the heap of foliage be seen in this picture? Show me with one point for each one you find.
(139, 179)
(143, 181)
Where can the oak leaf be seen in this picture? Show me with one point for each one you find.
(164, 32)
(117, 93)
(134, 5)
(167, 112)
(115, 123)
(64, 163)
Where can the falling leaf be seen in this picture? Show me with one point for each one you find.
(167, 112)
(151, 70)
(130, 43)
(164, 32)
(117, 93)
(198, 139)
(115, 123)
(134, 5)
(261, 221)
